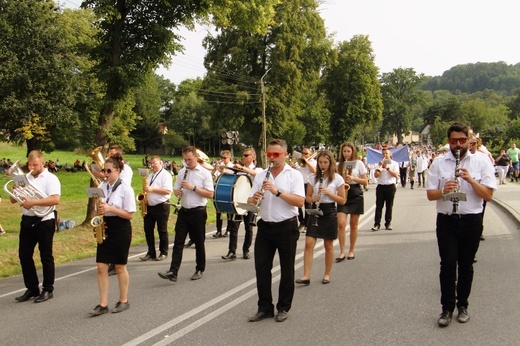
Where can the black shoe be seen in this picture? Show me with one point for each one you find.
(482, 238)
(340, 259)
(146, 257)
(303, 282)
(27, 295)
(168, 276)
(325, 281)
(260, 315)
(189, 243)
(161, 257)
(197, 275)
(120, 307)
(281, 316)
(230, 256)
(99, 310)
(246, 255)
(445, 318)
(463, 316)
(388, 227)
(46, 295)
(225, 234)
(217, 235)
(375, 228)
(111, 269)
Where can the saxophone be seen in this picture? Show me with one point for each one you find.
(142, 198)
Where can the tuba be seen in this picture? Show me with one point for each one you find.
(142, 198)
(24, 189)
(99, 160)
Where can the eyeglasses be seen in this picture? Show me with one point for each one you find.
(473, 143)
(246, 155)
(108, 170)
(222, 157)
(460, 140)
(273, 155)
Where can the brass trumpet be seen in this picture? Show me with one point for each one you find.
(303, 162)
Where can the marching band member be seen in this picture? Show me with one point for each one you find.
(225, 155)
(386, 175)
(158, 189)
(327, 188)
(38, 230)
(117, 208)
(356, 177)
(306, 166)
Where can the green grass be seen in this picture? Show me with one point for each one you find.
(75, 243)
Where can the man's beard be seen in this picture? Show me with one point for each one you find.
(463, 151)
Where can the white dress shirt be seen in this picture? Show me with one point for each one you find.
(162, 180)
(201, 178)
(48, 184)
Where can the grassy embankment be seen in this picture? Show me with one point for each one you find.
(70, 244)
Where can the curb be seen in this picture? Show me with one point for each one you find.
(509, 209)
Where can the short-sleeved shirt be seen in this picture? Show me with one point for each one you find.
(443, 169)
(275, 209)
(305, 171)
(385, 178)
(122, 197)
(333, 186)
(47, 183)
(126, 175)
(201, 178)
(513, 154)
(357, 171)
(162, 180)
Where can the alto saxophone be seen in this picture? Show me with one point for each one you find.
(98, 222)
(142, 198)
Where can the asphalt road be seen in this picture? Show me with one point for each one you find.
(388, 295)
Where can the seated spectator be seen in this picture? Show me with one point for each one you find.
(57, 164)
(77, 165)
(67, 167)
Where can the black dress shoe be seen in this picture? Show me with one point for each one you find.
(375, 228)
(27, 295)
(445, 318)
(463, 316)
(46, 295)
(217, 235)
(197, 275)
(388, 227)
(260, 315)
(161, 257)
(99, 310)
(168, 276)
(281, 316)
(246, 255)
(230, 256)
(146, 257)
(189, 243)
(303, 282)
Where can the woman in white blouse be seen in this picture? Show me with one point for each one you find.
(328, 188)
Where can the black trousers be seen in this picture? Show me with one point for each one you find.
(157, 214)
(384, 195)
(421, 178)
(402, 174)
(192, 222)
(458, 240)
(232, 229)
(32, 232)
(281, 236)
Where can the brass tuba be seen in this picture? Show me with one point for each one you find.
(24, 189)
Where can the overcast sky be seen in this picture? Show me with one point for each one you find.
(428, 36)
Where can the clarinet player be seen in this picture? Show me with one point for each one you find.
(282, 195)
(459, 227)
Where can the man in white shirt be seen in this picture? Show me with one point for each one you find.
(459, 223)
(386, 175)
(280, 190)
(158, 191)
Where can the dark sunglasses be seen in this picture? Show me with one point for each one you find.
(460, 140)
(246, 155)
(108, 170)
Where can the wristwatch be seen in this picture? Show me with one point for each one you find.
(194, 188)
(278, 193)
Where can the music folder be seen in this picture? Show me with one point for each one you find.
(95, 192)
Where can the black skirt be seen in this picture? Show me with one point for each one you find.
(327, 224)
(355, 201)
(116, 246)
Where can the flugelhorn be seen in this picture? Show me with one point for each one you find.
(22, 188)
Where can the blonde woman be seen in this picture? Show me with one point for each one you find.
(354, 173)
(327, 187)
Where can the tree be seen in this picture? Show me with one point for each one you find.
(36, 72)
(351, 88)
(400, 94)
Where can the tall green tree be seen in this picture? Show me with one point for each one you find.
(352, 89)
(400, 94)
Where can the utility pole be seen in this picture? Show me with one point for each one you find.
(264, 125)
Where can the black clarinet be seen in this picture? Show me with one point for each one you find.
(178, 206)
(317, 204)
(262, 191)
(455, 198)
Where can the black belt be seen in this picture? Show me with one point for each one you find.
(157, 205)
(292, 219)
(193, 209)
(460, 216)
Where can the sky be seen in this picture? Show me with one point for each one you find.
(428, 36)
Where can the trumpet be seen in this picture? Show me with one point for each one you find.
(142, 198)
(22, 188)
(303, 162)
(262, 191)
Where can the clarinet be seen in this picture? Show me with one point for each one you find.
(178, 206)
(455, 199)
(262, 191)
(319, 213)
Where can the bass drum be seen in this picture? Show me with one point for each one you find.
(230, 190)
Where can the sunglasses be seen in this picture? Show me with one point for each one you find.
(108, 170)
(246, 155)
(473, 143)
(224, 157)
(460, 140)
(273, 155)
